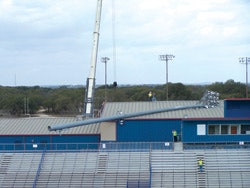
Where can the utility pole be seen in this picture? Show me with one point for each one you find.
(105, 60)
(166, 58)
(245, 60)
(26, 106)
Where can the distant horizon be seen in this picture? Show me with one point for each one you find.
(98, 85)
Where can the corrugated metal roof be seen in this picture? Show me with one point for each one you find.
(113, 108)
(39, 126)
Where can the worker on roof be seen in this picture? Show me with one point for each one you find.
(150, 95)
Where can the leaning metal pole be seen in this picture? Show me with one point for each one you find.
(119, 117)
(209, 100)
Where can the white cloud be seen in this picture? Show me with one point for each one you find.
(56, 37)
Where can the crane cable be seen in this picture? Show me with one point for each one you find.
(114, 41)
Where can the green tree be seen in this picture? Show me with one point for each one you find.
(229, 89)
(65, 101)
(179, 91)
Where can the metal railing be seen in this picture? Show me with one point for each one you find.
(135, 146)
(118, 146)
(39, 169)
(216, 145)
(103, 146)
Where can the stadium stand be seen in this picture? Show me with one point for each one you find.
(170, 169)
(94, 169)
(226, 168)
(18, 169)
(66, 169)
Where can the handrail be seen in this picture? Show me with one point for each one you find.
(150, 173)
(118, 146)
(103, 146)
(216, 145)
(39, 169)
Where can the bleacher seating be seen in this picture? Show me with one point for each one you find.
(228, 168)
(170, 169)
(18, 169)
(93, 169)
(156, 168)
(67, 169)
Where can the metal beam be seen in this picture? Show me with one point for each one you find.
(209, 100)
(119, 117)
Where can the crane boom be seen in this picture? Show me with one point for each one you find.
(90, 85)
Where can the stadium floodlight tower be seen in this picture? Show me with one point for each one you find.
(245, 60)
(166, 58)
(90, 85)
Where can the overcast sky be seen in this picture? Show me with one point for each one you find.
(49, 42)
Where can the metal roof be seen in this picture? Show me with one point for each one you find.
(39, 126)
(113, 108)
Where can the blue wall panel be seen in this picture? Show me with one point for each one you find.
(147, 130)
(41, 142)
(190, 132)
(77, 142)
(75, 138)
(11, 143)
(237, 108)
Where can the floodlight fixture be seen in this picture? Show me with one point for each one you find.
(166, 57)
(210, 99)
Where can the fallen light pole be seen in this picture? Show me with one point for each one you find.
(209, 100)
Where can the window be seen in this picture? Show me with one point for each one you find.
(224, 129)
(213, 129)
(201, 129)
(234, 129)
(245, 129)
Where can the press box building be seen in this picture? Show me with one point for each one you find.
(227, 123)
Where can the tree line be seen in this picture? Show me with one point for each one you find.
(70, 101)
